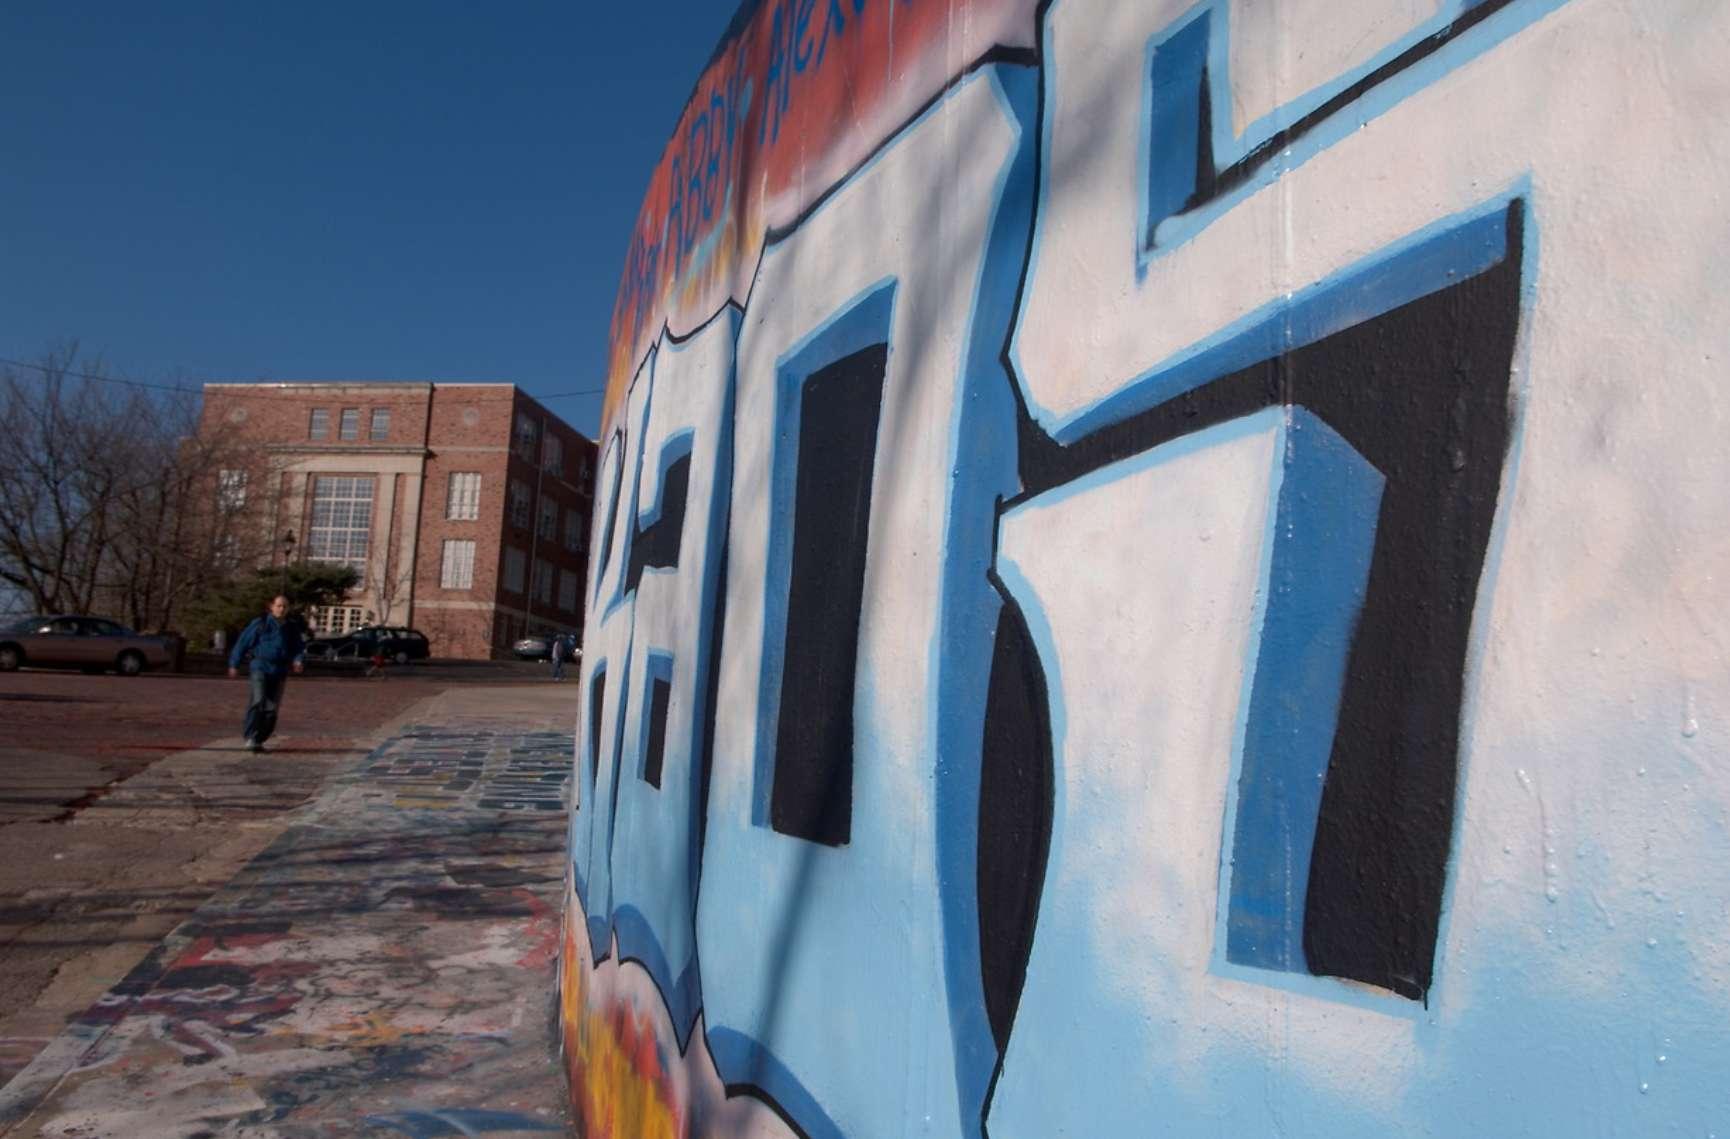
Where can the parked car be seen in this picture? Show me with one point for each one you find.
(540, 647)
(94, 644)
(397, 643)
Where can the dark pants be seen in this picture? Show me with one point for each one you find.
(558, 664)
(261, 704)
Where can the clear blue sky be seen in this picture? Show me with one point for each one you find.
(204, 191)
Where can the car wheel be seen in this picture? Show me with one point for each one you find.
(401, 657)
(11, 657)
(130, 663)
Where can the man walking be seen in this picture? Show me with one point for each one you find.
(275, 646)
(559, 648)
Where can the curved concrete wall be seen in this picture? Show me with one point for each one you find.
(1162, 571)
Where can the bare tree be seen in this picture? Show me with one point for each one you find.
(386, 583)
(111, 499)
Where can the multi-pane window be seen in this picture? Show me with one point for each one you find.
(341, 519)
(380, 427)
(543, 582)
(463, 496)
(519, 503)
(334, 620)
(568, 591)
(350, 429)
(549, 519)
(231, 489)
(526, 436)
(458, 571)
(318, 423)
(576, 530)
(553, 455)
(515, 563)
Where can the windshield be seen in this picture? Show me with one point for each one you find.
(22, 624)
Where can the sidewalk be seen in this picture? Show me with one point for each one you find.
(385, 967)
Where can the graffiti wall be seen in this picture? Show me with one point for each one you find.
(1161, 570)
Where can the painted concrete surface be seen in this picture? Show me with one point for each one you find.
(133, 805)
(385, 967)
(1159, 569)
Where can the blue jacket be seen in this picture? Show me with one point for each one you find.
(273, 645)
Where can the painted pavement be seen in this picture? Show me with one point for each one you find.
(386, 967)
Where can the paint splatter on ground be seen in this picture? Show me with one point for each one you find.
(385, 967)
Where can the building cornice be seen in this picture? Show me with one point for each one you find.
(414, 449)
(327, 386)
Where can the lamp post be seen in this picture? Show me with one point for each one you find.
(287, 551)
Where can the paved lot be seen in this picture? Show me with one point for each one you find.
(384, 966)
(64, 735)
(125, 803)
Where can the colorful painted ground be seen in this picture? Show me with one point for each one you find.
(385, 967)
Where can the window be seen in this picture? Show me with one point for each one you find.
(553, 456)
(228, 551)
(575, 530)
(463, 496)
(514, 566)
(549, 519)
(458, 571)
(543, 582)
(341, 519)
(231, 489)
(380, 424)
(568, 591)
(350, 424)
(334, 620)
(519, 503)
(526, 436)
(318, 424)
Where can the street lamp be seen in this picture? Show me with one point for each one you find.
(287, 551)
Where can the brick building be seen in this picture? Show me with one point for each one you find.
(466, 508)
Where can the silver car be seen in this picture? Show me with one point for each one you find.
(540, 647)
(94, 644)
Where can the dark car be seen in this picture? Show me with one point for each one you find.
(397, 644)
(94, 644)
(540, 647)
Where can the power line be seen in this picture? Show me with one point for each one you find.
(45, 370)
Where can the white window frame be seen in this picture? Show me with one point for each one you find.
(378, 425)
(457, 564)
(335, 620)
(463, 496)
(231, 489)
(348, 426)
(344, 533)
(553, 455)
(318, 424)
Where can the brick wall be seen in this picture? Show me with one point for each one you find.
(434, 432)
